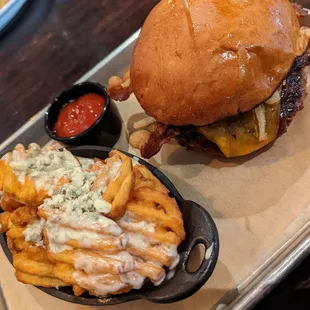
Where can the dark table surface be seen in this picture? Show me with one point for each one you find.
(52, 44)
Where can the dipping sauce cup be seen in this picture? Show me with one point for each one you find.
(105, 130)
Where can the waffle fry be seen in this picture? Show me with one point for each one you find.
(9, 204)
(118, 192)
(15, 233)
(23, 215)
(39, 281)
(104, 229)
(159, 233)
(23, 263)
(77, 290)
(26, 175)
(105, 263)
(5, 222)
(145, 178)
(35, 252)
(99, 242)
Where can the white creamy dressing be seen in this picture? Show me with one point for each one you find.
(133, 279)
(135, 161)
(139, 241)
(209, 251)
(101, 284)
(104, 284)
(86, 163)
(175, 263)
(170, 274)
(74, 212)
(87, 220)
(122, 263)
(127, 222)
(75, 205)
(160, 281)
(170, 249)
(59, 236)
(118, 263)
(112, 174)
(44, 167)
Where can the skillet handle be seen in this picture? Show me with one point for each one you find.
(200, 228)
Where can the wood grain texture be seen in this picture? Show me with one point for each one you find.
(52, 44)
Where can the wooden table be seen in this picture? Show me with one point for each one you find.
(52, 44)
(55, 42)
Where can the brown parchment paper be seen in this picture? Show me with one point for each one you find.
(259, 203)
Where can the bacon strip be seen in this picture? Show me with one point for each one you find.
(160, 135)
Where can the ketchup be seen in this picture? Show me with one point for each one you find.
(79, 115)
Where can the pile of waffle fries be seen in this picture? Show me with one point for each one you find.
(101, 226)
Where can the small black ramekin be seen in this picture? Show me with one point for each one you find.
(104, 132)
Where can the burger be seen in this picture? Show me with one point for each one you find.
(225, 77)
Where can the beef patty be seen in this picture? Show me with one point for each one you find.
(293, 94)
(292, 98)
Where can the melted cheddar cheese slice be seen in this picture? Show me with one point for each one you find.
(239, 136)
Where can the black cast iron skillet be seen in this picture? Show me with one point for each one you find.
(199, 227)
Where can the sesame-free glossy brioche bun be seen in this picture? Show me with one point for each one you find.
(225, 57)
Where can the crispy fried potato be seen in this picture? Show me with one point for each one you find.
(121, 198)
(153, 254)
(11, 245)
(77, 290)
(110, 245)
(157, 216)
(150, 271)
(21, 245)
(98, 166)
(137, 198)
(118, 193)
(62, 271)
(105, 264)
(15, 232)
(119, 190)
(85, 281)
(23, 263)
(144, 175)
(16, 178)
(39, 281)
(4, 169)
(23, 193)
(65, 273)
(9, 204)
(5, 222)
(23, 215)
(159, 233)
(59, 217)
